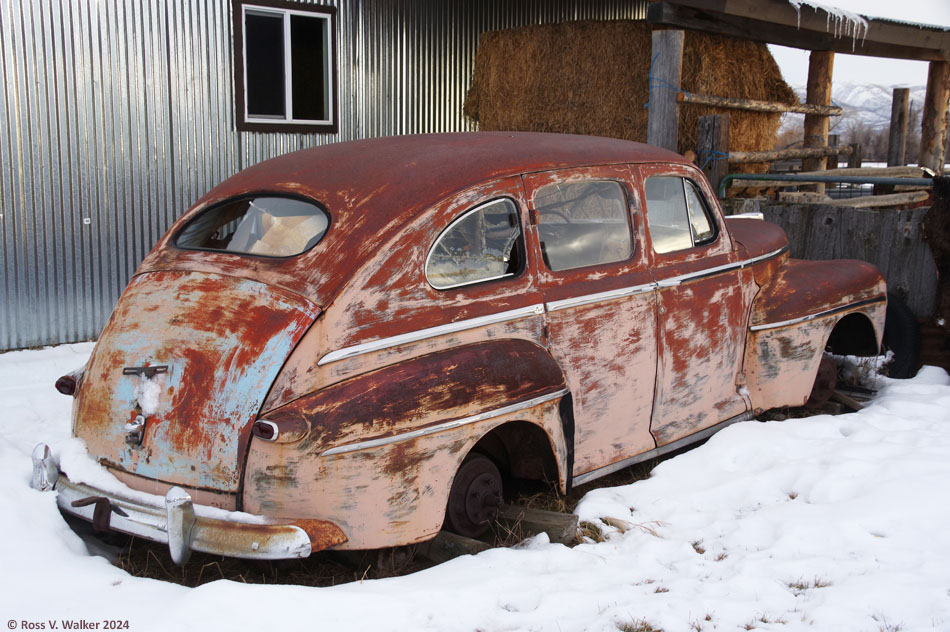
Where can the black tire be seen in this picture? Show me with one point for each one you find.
(475, 497)
(902, 338)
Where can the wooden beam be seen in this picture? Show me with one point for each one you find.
(885, 172)
(712, 152)
(560, 527)
(758, 106)
(665, 70)
(933, 127)
(745, 157)
(777, 22)
(897, 136)
(446, 546)
(891, 199)
(820, 67)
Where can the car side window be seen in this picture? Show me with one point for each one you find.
(482, 244)
(583, 224)
(677, 214)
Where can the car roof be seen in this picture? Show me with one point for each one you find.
(401, 175)
(374, 188)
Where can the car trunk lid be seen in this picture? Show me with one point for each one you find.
(191, 356)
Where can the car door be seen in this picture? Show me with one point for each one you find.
(703, 298)
(599, 306)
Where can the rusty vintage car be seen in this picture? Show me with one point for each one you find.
(353, 346)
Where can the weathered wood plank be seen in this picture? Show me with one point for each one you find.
(446, 546)
(782, 154)
(875, 201)
(758, 106)
(665, 72)
(560, 527)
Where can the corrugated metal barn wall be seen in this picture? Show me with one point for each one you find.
(116, 114)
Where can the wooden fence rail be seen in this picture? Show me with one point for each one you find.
(758, 106)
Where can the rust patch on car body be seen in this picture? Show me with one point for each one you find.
(223, 341)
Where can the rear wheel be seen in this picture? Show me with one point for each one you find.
(475, 497)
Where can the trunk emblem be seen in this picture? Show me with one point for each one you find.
(148, 371)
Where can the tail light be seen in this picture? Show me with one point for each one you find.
(69, 383)
(66, 385)
(281, 429)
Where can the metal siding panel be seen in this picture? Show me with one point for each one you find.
(122, 112)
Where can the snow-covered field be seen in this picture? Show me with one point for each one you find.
(825, 523)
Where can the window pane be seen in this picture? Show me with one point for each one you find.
(483, 244)
(308, 54)
(268, 226)
(667, 214)
(264, 68)
(704, 230)
(583, 224)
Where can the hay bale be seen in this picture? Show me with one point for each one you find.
(593, 78)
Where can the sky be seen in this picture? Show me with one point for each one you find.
(870, 70)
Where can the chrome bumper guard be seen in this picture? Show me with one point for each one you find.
(176, 523)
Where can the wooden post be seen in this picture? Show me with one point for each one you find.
(857, 155)
(897, 138)
(820, 66)
(665, 70)
(712, 152)
(933, 127)
(833, 160)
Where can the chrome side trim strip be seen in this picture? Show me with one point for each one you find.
(827, 312)
(449, 425)
(586, 477)
(738, 265)
(431, 332)
(514, 314)
(554, 306)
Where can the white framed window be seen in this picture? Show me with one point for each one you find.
(285, 75)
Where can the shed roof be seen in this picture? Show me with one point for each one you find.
(809, 27)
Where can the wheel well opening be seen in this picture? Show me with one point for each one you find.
(521, 450)
(853, 335)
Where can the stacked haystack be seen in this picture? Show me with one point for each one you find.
(594, 78)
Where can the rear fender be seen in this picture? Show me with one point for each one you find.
(378, 452)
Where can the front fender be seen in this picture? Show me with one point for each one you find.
(792, 319)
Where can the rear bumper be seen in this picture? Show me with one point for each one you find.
(178, 522)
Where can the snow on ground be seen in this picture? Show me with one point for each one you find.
(824, 523)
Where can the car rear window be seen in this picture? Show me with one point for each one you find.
(268, 226)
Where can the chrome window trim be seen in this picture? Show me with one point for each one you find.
(449, 425)
(827, 312)
(430, 332)
(461, 218)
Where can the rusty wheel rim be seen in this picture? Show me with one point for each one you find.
(475, 497)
